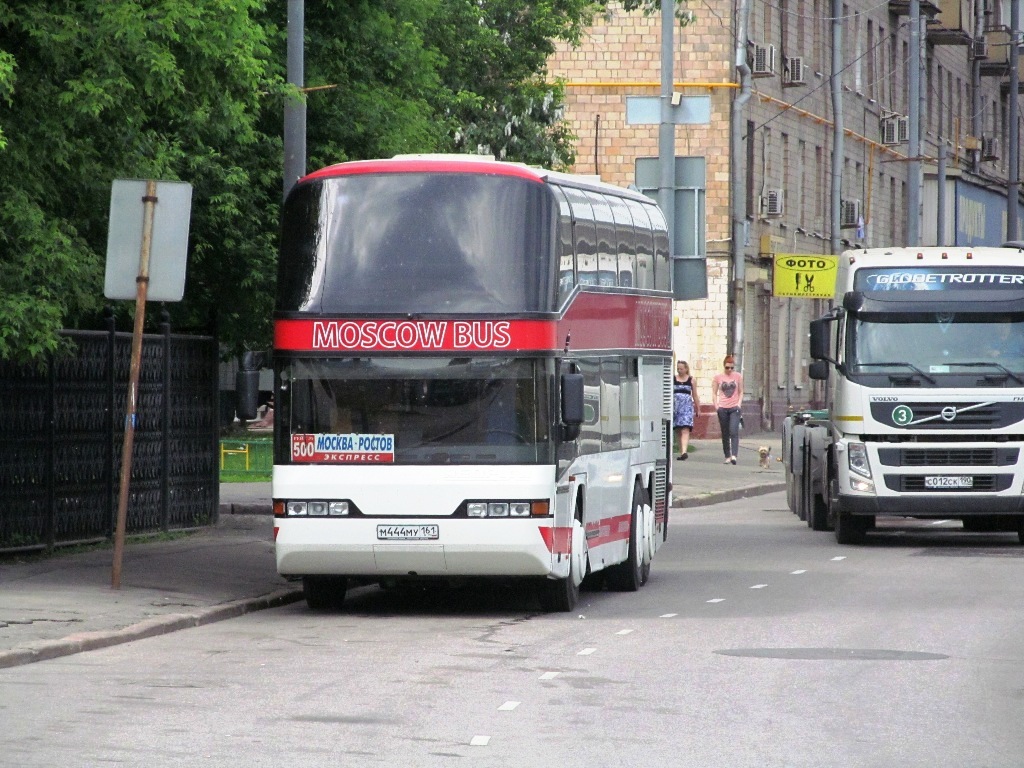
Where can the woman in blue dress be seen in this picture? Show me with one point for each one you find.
(684, 407)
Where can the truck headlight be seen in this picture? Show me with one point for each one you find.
(858, 458)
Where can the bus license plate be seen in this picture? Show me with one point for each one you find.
(949, 481)
(407, 532)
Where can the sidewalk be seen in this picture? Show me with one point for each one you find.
(64, 604)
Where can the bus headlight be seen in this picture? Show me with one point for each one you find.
(296, 508)
(508, 508)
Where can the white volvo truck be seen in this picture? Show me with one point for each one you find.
(923, 355)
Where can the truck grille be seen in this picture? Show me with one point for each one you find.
(917, 416)
(948, 457)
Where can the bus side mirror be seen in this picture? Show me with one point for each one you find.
(818, 370)
(247, 393)
(247, 386)
(572, 405)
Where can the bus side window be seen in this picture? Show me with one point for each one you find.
(607, 263)
(590, 431)
(586, 237)
(566, 247)
(644, 244)
(611, 414)
(662, 258)
(625, 240)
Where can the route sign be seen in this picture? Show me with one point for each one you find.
(804, 276)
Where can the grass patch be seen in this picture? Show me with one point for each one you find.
(244, 477)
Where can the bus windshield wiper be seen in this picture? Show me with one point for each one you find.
(990, 364)
(911, 366)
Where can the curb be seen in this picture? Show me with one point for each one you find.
(718, 497)
(91, 641)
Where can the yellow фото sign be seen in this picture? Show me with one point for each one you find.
(804, 276)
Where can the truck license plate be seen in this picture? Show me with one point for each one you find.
(407, 532)
(949, 481)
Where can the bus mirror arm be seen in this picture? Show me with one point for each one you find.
(572, 405)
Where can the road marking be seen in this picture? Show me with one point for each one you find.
(667, 615)
(549, 676)
(717, 600)
(836, 559)
(586, 651)
(508, 706)
(623, 631)
(479, 741)
(797, 573)
(759, 586)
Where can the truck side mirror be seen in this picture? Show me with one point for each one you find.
(819, 339)
(572, 405)
(818, 370)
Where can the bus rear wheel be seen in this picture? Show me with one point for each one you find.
(633, 573)
(324, 592)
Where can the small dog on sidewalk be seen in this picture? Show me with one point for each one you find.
(765, 454)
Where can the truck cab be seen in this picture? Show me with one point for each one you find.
(923, 355)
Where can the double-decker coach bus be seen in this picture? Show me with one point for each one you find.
(472, 376)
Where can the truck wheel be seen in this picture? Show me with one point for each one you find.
(850, 529)
(323, 592)
(817, 513)
(790, 491)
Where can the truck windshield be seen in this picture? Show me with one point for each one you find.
(437, 410)
(931, 344)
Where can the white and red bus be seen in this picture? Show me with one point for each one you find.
(473, 378)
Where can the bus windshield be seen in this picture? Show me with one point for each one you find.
(438, 410)
(442, 243)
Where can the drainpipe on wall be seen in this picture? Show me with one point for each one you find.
(736, 177)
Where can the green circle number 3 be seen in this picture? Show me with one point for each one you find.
(902, 415)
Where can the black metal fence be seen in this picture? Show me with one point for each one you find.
(62, 429)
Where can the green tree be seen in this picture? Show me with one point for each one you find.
(162, 89)
(193, 90)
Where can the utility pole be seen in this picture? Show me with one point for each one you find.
(838, 144)
(667, 127)
(736, 182)
(1013, 187)
(295, 106)
(914, 105)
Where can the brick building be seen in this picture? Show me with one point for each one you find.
(965, 108)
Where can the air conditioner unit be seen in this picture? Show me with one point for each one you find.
(979, 48)
(849, 214)
(773, 203)
(902, 129)
(887, 127)
(989, 148)
(764, 60)
(796, 71)
(895, 129)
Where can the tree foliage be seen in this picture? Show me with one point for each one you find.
(194, 90)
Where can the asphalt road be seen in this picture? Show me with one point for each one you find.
(757, 642)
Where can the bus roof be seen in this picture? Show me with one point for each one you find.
(478, 164)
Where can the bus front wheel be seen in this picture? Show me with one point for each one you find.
(323, 592)
(561, 595)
